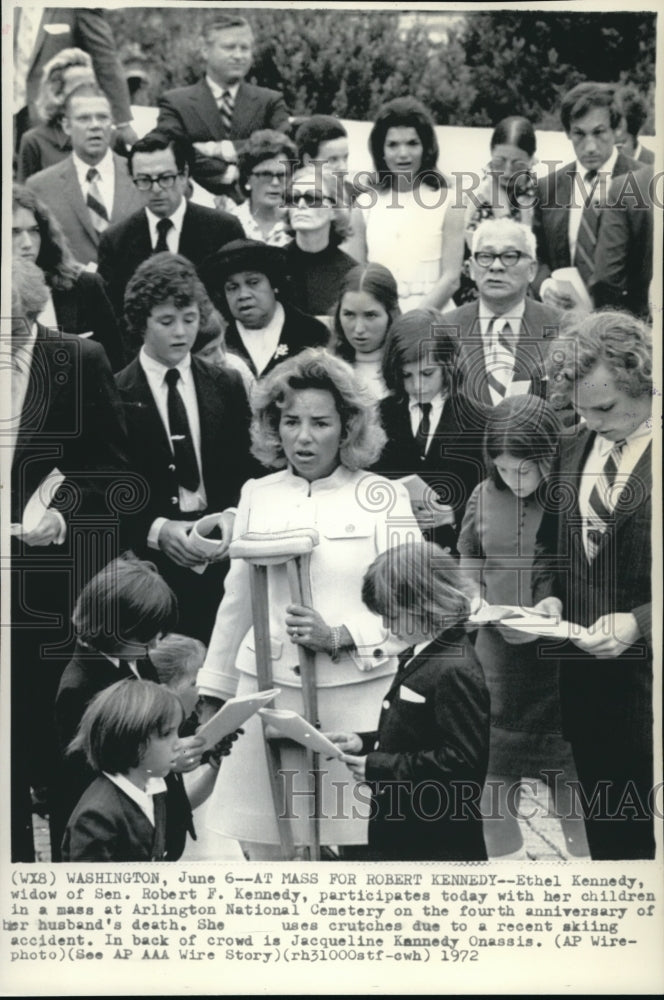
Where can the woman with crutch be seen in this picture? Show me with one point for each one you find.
(314, 422)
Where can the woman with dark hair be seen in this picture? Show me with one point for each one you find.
(367, 305)
(434, 433)
(245, 279)
(497, 546)
(265, 165)
(315, 424)
(412, 225)
(78, 302)
(507, 191)
(320, 222)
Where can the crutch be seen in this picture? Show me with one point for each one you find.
(260, 550)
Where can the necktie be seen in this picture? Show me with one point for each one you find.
(586, 240)
(159, 842)
(183, 448)
(422, 435)
(163, 228)
(95, 201)
(501, 359)
(225, 106)
(602, 501)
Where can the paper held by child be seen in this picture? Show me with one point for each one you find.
(232, 715)
(423, 500)
(39, 503)
(292, 725)
(526, 620)
(569, 282)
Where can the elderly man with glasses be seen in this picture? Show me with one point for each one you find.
(168, 221)
(502, 334)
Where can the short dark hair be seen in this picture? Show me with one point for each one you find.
(416, 335)
(581, 99)
(377, 281)
(315, 131)
(406, 112)
(118, 723)
(127, 601)
(417, 576)
(155, 142)
(524, 427)
(633, 109)
(224, 22)
(515, 131)
(162, 277)
(264, 144)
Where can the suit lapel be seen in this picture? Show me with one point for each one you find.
(631, 499)
(203, 106)
(123, 192)
(138, 399)
(210, 412)
(43, 382)
(244, 107)
(73, 196)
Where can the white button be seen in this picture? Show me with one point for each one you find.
(376, 744)
(386, 704)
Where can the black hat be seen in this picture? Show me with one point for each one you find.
(243, 255)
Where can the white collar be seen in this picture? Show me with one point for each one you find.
(606, 168)
(106, 167)
(274, 326)
(158, 371)
(142, 798)
(340, 477)
(437, 403)
(604, 446)
(177, 218)
(513, 316)
(219, 89)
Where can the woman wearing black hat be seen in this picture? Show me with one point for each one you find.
(244, 279)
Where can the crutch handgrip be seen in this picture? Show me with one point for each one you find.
(270, 548)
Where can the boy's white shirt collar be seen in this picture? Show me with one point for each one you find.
(143, 799)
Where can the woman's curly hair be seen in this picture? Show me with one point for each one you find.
(362, 437)
(162, 278)
(611, 337)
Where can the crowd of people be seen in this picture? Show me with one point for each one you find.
(448, 399)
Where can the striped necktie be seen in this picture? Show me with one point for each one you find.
(95, 201)
(602, 501)
(586, 240)
(225, 106)
(500, 368)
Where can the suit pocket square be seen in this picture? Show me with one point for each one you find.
(407, 694)
(56, 29)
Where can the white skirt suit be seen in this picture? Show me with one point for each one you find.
(357, 515)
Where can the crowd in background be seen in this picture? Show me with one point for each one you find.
(454, 388)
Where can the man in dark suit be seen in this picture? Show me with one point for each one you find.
(188, 426)
(624, 257)
(221, 109)
(91, 189)
(160, 170)
(68, 424)
(503, 334)
(593, 568)
(634, 113)
(566, 210)
(41, 34)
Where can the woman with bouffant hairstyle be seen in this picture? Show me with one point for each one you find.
(314, 422)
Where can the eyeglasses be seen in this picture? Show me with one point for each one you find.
(311, 199)
(269, 176)
(501, 162)
(508, 258)
(164, 181)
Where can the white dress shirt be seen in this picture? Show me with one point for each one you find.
(635, 445)
(416, 414)
(155, 373)
(261, 344)
(143, 799)
(580, 191)
(218, 91)
(105, 181)
(173, 234)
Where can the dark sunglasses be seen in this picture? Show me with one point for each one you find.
(311, 199)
